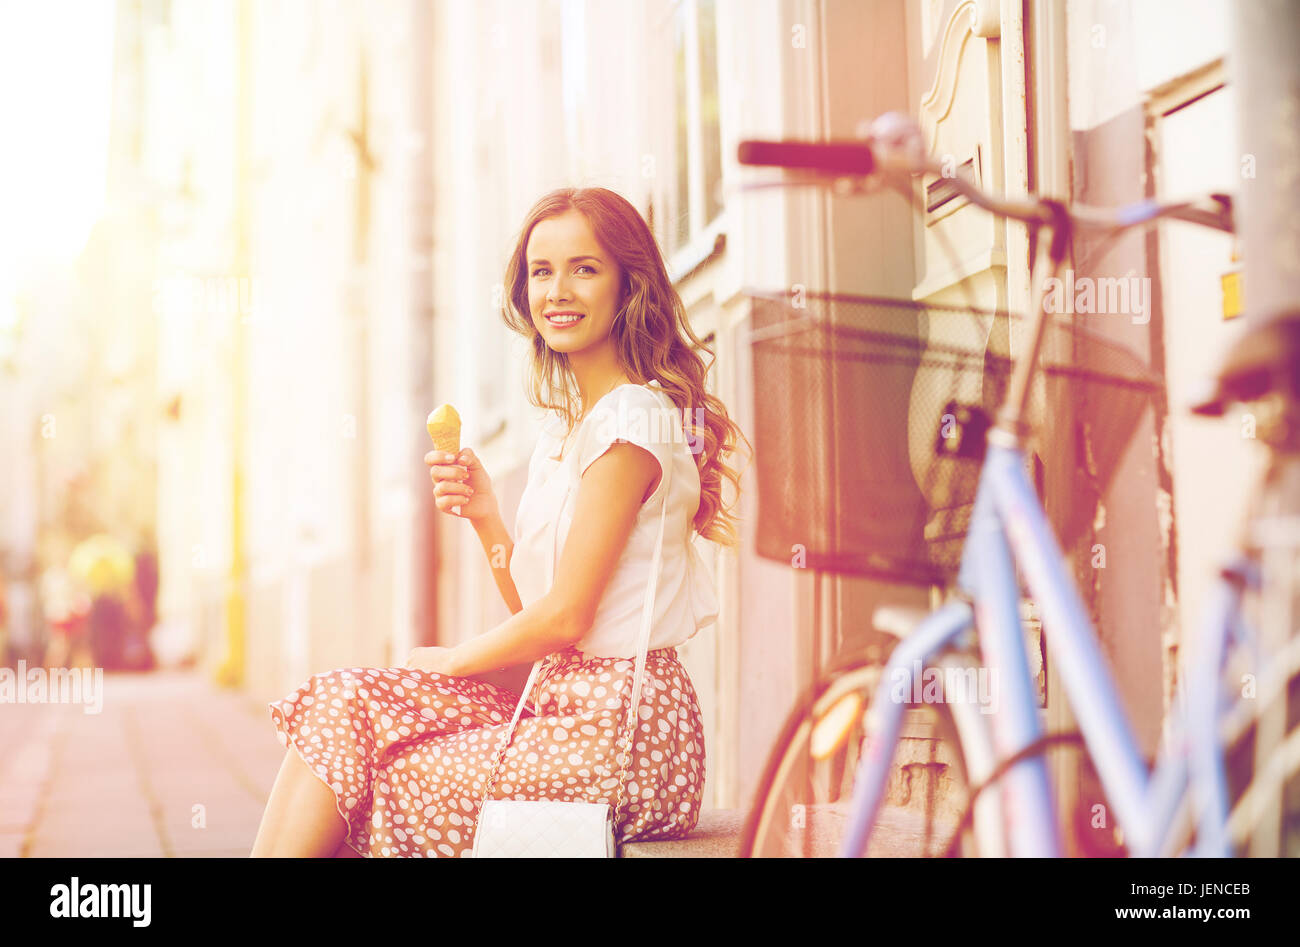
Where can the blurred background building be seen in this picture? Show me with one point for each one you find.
(307, 215)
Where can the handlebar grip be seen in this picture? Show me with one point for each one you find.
(833, 157)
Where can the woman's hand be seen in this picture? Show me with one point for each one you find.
(461, 486)
(437, 660)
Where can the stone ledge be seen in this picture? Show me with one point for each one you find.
(716, 836)
(899, 833)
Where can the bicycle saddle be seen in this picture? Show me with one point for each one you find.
(1263, 360)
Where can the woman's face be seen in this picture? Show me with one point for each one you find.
(570, 274)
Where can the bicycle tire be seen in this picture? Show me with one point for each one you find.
(801, 805)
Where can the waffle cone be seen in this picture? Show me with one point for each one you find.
(444, 429)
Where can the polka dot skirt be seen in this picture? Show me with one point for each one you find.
(408, 752)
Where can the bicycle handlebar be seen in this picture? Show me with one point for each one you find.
(898, 151)
(834, 157)
(893, 147)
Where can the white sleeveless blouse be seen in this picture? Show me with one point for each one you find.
(685, 600)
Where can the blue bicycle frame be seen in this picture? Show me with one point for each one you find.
(1009, 527)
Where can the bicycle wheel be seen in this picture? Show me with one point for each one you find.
(802, 805)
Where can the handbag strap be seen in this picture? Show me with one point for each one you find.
(642, 641)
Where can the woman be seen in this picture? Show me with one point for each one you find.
(396, 761)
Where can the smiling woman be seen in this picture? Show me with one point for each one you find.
(588, 252)
(399, 761)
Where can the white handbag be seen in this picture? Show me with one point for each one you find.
(545, 828)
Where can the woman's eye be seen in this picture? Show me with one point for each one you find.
(541, 270)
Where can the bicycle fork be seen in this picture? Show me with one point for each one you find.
(988, 571)
(1086, 679)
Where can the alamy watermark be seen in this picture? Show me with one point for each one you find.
(1123, 295)
(947, 685)
(76, 899)
(654, 425)
(53, 686)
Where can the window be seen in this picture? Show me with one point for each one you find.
(710, 128)
(692, 196)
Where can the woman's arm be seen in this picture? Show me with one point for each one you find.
(499, 547)
(609, 497)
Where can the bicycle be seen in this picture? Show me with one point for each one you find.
(841, 738)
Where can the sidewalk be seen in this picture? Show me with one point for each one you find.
(171, 767)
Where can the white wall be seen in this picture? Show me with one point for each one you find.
(1215, 461)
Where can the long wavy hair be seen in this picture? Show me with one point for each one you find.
(653, 340)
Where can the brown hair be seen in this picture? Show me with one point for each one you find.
(648, 333)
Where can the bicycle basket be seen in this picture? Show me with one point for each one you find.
(850, 393)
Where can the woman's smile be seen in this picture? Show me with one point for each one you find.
(564, 320)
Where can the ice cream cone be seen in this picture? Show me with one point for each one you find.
(444, 429)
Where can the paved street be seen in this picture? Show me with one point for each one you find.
(172, 767)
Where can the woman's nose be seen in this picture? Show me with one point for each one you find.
(558, 290)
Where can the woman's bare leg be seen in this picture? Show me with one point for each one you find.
(301, 819)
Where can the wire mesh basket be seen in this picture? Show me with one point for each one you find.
(855, 398)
